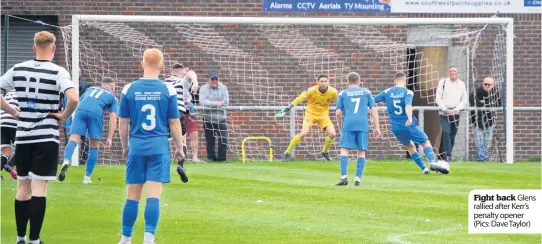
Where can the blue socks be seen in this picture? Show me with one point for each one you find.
(68, 151)
(344, 165)
(418, 160)
(129, 216)
(360, 166)
(152, 214)
(91, 161)
(429, 154)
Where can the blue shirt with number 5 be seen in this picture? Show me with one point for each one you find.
(396, 99)
(149, 104)
(355, 103)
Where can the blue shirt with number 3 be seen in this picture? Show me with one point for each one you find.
(396, 98)
(355, 103)
(149, 104)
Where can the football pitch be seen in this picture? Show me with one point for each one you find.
(281, 203)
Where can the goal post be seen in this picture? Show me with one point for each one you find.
(75, 76)
(180, 21)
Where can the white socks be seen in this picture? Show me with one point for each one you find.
(358, 179)
(125, 238)
(148, 237)
(344, 177)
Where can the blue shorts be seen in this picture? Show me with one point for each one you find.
(67, 125)
(354, 140)
(412, 133)
(84, 121)
(140, 169)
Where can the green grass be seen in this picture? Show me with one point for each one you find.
(299, 204)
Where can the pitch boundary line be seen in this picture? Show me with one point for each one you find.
(398, 238)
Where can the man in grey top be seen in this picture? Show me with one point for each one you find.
(215, 97)
(451, 98)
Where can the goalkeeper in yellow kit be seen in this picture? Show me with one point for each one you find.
(319, 98)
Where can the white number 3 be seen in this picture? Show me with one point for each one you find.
(151, 117)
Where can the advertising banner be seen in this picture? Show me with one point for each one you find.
(367, 6)
(465, 6)
(404, 6)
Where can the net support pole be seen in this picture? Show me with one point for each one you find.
(509, 116)
(467, 125)
(75, 75)
(6, 47)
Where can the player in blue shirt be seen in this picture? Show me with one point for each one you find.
(148, 108)
(398, 100)
(353, 103)
(88, 120)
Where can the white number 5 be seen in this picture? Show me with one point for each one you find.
(399, 110)
(151, 117)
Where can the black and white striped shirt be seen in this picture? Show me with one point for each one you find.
(179, 85)
(38, 85)
(7, 119)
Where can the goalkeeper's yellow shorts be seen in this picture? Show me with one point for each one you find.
(322, 121)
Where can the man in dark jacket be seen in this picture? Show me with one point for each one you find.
(484, 96)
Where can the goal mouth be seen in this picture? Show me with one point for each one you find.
(266, 62)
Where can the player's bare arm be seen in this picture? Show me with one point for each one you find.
(73, 100)
(124, 124)
(112, 128)
(408, 111)
(339, 117)
(299, 99)
(9, 109)
(176, 132)
(194, 78)
(376, 122)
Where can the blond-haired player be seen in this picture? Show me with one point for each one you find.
(148, 111)
(38, 84)
(320, 97)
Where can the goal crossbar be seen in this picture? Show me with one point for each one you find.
(508, 24)
(297, 21)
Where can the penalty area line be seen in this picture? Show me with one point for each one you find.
(399, 238)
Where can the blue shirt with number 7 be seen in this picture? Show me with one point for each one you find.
(149, 104)
(355, 103)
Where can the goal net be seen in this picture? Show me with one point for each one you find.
(265, 66)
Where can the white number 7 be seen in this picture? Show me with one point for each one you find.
(356, 100)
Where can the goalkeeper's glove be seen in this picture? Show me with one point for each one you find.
(284, 111)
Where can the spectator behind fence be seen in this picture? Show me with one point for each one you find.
(215, 97)
(487, 97)
(451, 98)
